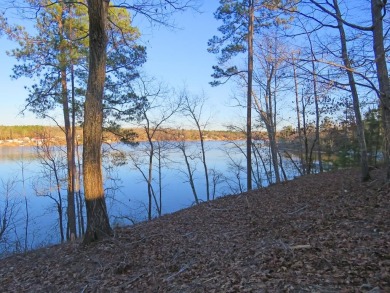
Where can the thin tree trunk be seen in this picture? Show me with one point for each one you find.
(365, 174)
(306, 143)
(159, 179)
(150, 174)
(69, 156)
(249, 95)
(317, 110)
(73, 155)
(71, 215)
(206, 173)
(59, 203)
(298, 115)
(190, 176)
(78, 192)
(98, 225)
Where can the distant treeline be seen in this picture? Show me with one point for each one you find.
(31, 131)
(39, 131)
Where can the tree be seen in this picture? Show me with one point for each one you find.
(378, 10)
(50, 184)
(9, 208)
(50, 53)
(61, 34)
(193, 108)
(242, 20)
(377, 6)
(238, 29)
(355, 98)
(154, 114)
(337, 15)
(97, 218)
(190, 169)
(98, 225)
(271, 58)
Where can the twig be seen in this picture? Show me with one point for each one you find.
(298, 210)
(302, 246)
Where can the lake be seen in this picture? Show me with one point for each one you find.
(35, 218)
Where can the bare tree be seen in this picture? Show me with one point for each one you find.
(162, 105)
(271, 59)
(50, 184)
(9, 207)
(193, 108)
(333, 10)
(190, 168)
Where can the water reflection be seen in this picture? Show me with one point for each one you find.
(125, 186)
(17, 153)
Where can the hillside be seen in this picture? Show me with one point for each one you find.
(318, 233)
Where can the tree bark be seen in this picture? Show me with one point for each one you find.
(383, 75)
(98, 225)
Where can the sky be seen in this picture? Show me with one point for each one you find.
(177, 57)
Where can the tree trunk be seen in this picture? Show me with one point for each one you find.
(356, 105)
(150, 177)
(317, 110)
(383, 76)
(98, 225)
(71, 215)
(206, 173)
(71, 225)
(249, 96)
(303, 165)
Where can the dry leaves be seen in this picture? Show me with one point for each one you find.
(318, 233)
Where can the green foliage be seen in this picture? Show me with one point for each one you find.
(59, 47)
(234, 15)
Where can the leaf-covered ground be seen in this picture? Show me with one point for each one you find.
(318, 233)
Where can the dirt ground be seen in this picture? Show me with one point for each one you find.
(318, 233)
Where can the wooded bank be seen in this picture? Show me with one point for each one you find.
(327, 232)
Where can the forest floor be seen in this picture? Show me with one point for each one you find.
(318, 233)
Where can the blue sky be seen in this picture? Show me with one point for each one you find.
(177, 57)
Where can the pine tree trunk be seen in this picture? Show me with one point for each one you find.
(71, 215)
(98, 225)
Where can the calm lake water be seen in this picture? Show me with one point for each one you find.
(126, 188)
